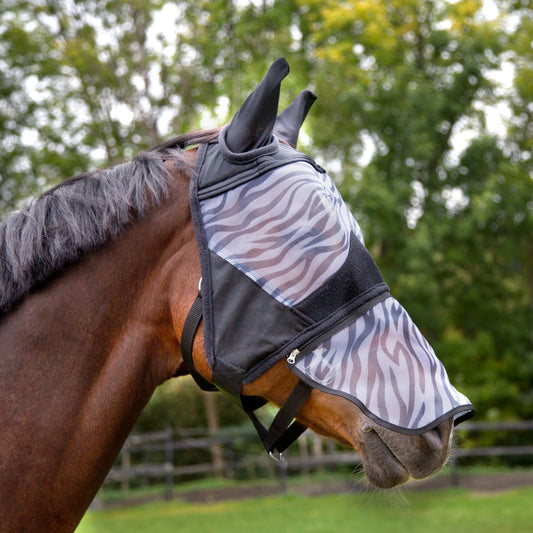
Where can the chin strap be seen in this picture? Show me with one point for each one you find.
(283, 431)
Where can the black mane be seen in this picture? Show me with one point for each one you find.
(81, 214)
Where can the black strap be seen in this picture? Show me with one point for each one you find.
(281, 433)
(192, 323)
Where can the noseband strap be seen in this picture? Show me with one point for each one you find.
(282, 433)
(192, 323)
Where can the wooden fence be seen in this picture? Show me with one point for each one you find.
(237, 454)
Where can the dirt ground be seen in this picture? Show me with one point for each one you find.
(480, 483)
(476, 482)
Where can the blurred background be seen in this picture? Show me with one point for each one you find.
(424, 119)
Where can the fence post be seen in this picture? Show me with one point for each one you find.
(304, 455)
(283, 468)
(454, 472)
(125, 468)
(318, 452)
(330, 450)
(213, 428)
(169, 463)
(454, 467)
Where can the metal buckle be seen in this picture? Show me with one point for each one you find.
(279, 459)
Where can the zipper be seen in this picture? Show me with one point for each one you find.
(291, 358)
(311, 344)
(299, 353)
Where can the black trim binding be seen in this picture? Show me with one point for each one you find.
(460, 413)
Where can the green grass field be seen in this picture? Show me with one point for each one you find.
(442, 511)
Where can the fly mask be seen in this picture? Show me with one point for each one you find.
(285, 274)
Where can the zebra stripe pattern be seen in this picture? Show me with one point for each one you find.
(288, 230)
(384, 364)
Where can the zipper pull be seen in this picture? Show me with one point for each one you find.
(291, 358)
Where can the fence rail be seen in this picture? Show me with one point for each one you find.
(497, 451)
(155, 456)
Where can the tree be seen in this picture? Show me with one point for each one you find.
(406, 73)
(79, 88)
(96, 81)
(450, 232)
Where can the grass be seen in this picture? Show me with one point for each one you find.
(442, 511)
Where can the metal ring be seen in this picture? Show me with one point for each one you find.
(279, 459)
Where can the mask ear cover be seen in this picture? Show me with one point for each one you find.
(290, 120)
(253, 124)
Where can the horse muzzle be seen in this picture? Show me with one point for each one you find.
(391, 458)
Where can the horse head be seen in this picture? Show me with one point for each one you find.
(295, 310)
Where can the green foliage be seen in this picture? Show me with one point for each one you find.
(399, 82)
(180, 403)
(451, 233)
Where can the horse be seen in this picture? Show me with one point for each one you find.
(98, 276)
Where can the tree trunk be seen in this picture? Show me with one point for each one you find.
(212, 429)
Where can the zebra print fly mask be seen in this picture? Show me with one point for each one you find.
(285, 274)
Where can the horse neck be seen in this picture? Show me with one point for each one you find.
(80, 358)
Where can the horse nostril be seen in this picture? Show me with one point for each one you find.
(440, 436)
